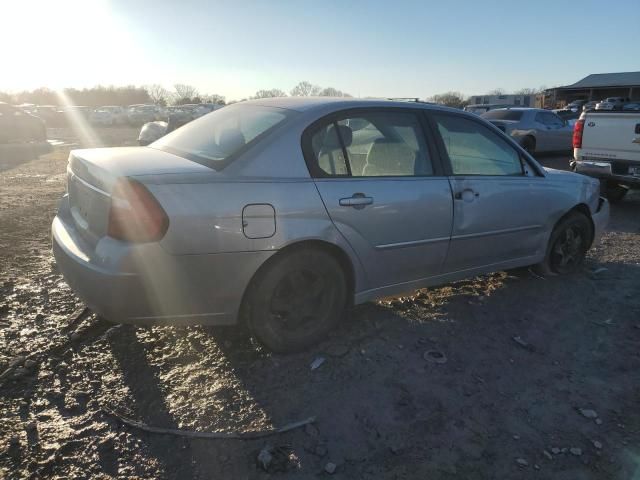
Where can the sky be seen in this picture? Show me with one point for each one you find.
(366, 48)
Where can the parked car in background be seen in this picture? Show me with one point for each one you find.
(576, 105)
(204, 108)
(108, 115)
(76, 113)
(140, 114)
(535, 129)
(590, 105)
(182, 231)
(18, 126)
(152, 131)
(612, 103)
(631, 106)
(179, 115)
(570, 116)
(51, 115)
(27, 107)
(606, 145)
(483, 108)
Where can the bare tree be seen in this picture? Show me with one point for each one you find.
(450, 99)
(497, 92)
(184, 93)
(332, 92)
(304, 89)
(215, 98)
(527, 91)
(158, 94)
(274, 92)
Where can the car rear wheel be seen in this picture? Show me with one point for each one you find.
(614, 192)
(296, 300)
(568, 245)
(529, 144)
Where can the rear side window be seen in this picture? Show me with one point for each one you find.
(377, 144)
(503, 115)
(213, 139)
(474, 149)
(549, 119)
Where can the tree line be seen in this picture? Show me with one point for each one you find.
(458, 100)
(157, 94)
(183, 94)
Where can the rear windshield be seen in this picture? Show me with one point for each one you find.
(503, 115)
(213, 139)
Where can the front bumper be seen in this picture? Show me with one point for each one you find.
(142, 284)
(600, 220)
(604, 170)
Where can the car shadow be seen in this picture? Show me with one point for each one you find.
(148, 402)
(515, 354)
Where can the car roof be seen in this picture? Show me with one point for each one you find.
(302, 104)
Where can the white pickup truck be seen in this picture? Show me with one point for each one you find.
(606, 145)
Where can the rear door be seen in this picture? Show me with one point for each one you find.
(500, 205)
(384, 189)
(556, 132)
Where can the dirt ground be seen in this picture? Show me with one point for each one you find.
(485, 405)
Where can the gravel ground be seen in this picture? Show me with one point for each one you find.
(484, 378)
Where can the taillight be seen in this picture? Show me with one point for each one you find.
(578, 128)
(135, 214)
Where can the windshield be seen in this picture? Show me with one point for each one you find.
(214, 138)
(503, 115)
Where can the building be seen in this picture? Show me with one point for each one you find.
(596, 86)
(520, 100)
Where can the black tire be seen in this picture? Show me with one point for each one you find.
(568, 245)
(615, 193)
(529, 144)
(296, 300)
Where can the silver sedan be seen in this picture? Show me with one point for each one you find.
(282, 213)
(535, 129)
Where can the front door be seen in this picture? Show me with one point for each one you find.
(500, 206)
(384, 192)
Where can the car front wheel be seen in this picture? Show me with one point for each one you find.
(568, 245)
(296, 300)
(614, 192)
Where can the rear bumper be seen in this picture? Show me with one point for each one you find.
(603, 170)
(600, 220)
(144, 285)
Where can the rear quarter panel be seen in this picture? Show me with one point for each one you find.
(206, 217)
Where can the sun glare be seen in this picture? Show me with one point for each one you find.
(62, 43)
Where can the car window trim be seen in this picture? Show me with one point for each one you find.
(444, 155)
(334, 117)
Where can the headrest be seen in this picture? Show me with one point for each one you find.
(332, 142)
(231, 140)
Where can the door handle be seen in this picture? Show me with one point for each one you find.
(467, 195)
(357, 200)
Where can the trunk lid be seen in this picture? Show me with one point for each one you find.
(611, 136)
(91, 174)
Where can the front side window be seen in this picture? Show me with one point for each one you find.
(373, 144)
(474, 149)
(214, 138)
